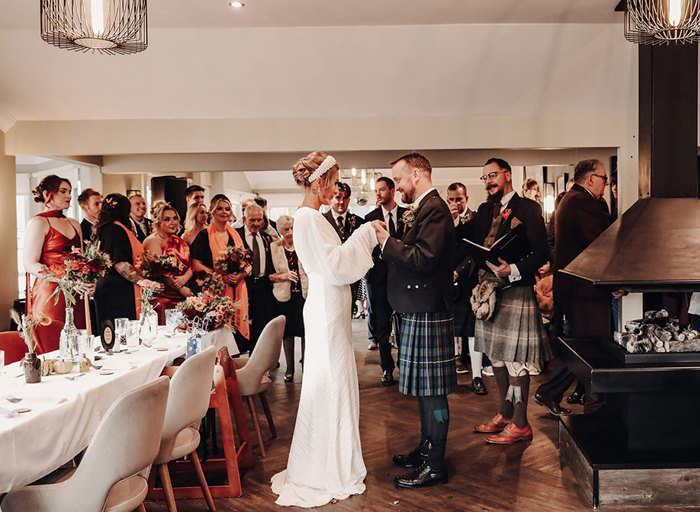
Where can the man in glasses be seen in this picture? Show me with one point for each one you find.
(514, 334)
(582, 215)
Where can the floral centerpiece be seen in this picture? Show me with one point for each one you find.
(235, 259)
(31, 363)
(148, 318)
(208, 310)
(164, 265)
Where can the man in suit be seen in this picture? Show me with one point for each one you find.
(581, 217)
(345, 224)
(465, 280)
(514, 334)
(139, 222)
(260, 299)
(194, 194)
(420, 289)
(90, 201)
(378, 307)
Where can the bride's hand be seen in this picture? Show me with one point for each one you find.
(380, 231)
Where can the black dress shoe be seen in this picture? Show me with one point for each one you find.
(423, 476)
(411, 460)
(388, 378)
(552, 406)
(478, 386)
(576, 398)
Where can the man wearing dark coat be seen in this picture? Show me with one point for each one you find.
(420, 290)
(581, 217)
(513, 334)
(378, 307)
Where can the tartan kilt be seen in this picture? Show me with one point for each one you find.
(515, 332)
(427, 354)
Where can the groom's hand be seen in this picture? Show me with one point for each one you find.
(503, 270)
(380, 230)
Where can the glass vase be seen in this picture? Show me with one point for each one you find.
(68, 341)
(149, 327)
(32, 368)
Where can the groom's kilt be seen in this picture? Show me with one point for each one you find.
(427, 354)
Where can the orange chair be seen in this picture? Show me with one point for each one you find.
(13, 345)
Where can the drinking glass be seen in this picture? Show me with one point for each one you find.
(85, 346)
(121, 326)
(132, 334)
(171, 319)
(2, 363)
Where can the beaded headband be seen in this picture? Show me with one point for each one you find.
(325, 166)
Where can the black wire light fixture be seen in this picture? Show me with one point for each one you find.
(662, 21)
(104, 26)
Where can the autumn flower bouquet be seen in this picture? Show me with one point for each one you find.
(213, 283)
(208, 310)
(164, 265)
(235, 259)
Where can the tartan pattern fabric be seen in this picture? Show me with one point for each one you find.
(427, 354)
(515, 332)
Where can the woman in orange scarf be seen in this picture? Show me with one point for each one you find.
(211, 243)
(117, 293)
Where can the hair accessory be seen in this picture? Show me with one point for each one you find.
(325, 166)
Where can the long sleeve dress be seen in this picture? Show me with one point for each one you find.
(325, 460)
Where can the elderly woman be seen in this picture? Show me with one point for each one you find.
(290, 286)
(196, 220)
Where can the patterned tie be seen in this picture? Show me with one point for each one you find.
(495, 224)
(392, 227)
(341, 226)
(256, 256)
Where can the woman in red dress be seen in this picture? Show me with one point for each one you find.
(164, 240)
(49, 237)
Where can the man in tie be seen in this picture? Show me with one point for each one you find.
(378, 307)
(345, 224)
(514, 334)
(260, 299)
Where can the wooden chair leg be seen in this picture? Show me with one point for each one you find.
(268, 414)
(202, 480)
(167, 487)
(256, 424)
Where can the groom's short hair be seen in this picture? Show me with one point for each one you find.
(415, 160)
(344, 188)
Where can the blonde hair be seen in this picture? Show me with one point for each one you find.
(191, 215)
(158, 210)
(306, 166)
(283, 221)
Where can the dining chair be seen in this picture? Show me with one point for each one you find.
(108, 477)
(13, 345)
(253, 376)
(190, 389)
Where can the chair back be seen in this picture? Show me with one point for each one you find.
(264, 357)
(190, 390)
(126, 441)
(13, 345)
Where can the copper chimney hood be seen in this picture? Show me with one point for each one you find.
(655, 245)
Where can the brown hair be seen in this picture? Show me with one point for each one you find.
(584, 167)
(415, 160)
(306, 166)
(86, 194)
(50, 184)
(158, 209)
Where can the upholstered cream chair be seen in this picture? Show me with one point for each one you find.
(190, 389)
(108, 477)
(252, 374)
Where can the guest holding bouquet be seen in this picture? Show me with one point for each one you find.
(118, 292)
(50, 236)
(196, 219)
(289, 286)
(167, 258)
(214, 242)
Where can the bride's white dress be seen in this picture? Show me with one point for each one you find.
(325, 460)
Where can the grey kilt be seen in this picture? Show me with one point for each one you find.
(427, 354)
(515, 332)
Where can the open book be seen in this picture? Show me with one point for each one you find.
(512, 247)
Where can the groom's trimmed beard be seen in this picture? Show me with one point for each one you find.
(495, 197)
(408, 196)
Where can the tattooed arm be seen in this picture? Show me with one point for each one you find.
(128, 272)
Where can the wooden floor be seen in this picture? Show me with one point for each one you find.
(523, 477)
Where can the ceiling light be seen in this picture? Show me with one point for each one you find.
(662, 21)
(237, 5)
(105, 26)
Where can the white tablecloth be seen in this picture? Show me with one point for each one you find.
(64, 414)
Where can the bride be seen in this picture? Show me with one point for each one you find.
(325, 460)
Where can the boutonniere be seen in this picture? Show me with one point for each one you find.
(409, 216)
(506, 214)
(465, 219)
(352, 222)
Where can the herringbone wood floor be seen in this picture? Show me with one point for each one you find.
(522, 477)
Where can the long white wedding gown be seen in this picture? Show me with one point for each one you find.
(325, 459)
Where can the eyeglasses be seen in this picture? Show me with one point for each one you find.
(603, 177)
(490, 176)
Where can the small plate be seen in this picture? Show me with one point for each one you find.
(106, 372)
(22, 410)
(162, 349)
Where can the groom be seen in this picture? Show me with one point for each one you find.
(420, 290)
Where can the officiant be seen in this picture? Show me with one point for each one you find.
(512, 333)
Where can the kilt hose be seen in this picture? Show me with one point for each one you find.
(515, 332)
(427, 354)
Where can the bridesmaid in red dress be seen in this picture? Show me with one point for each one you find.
(164, 240)
(48, 238)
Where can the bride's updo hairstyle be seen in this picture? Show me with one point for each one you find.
(159, 209)
(304, 169)
(50, 184)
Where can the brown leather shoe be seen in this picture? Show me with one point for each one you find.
(372, 345)
(495, 425)
(553, 407)
(511, 434)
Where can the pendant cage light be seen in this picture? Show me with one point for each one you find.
(103, 26)
(659, 22)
